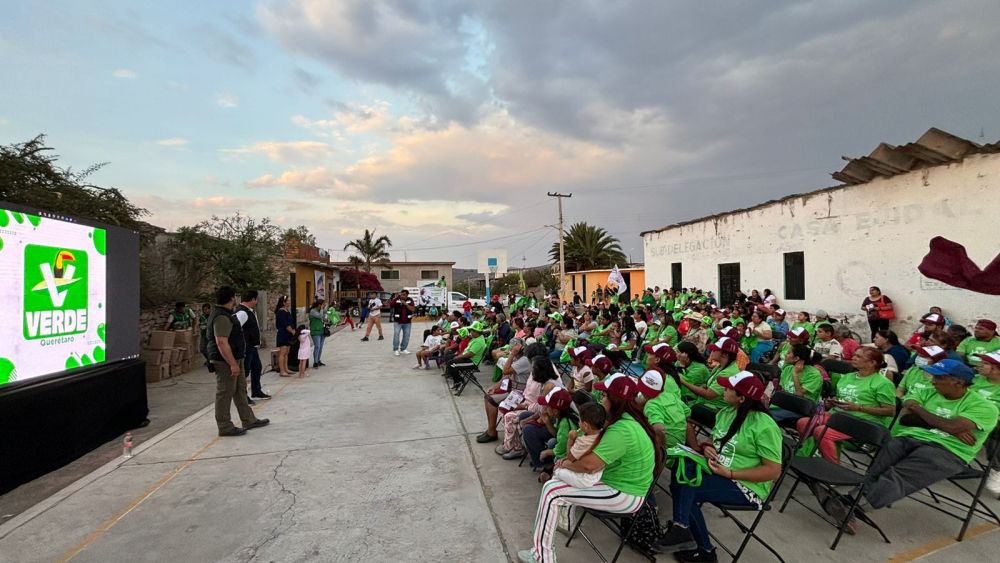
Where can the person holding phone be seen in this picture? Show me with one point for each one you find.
(744, 457)
(374, 316)
(866, 394)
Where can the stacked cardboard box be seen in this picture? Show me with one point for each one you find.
(157, 364)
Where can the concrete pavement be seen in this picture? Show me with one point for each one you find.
(368, 460)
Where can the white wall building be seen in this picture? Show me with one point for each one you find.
(823, 249)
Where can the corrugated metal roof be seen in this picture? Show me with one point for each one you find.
(933, 148)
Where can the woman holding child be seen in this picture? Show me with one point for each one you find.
(629, 454)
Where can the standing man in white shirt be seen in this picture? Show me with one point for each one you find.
(374, 316)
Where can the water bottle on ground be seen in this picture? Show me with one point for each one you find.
(127, 445)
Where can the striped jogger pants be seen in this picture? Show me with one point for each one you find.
(556, 494)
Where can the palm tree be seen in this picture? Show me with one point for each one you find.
(371, 250)
(589, 248)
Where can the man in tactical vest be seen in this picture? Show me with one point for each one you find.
(226, 349)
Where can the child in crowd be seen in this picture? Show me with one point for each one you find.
(305, 349)
(580, 443)
(430, 347)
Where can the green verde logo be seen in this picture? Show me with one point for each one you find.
(55, 291)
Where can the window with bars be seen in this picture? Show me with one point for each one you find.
(429, 274)
(389, 274)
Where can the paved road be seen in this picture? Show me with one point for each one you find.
(367, 460)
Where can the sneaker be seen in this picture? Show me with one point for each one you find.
(526, 556)
(838, 510)
(235, 431)
(676, 538)
(513, 454)
(396, 352)
(500, 450)
(405, 351)
(365, 339)
(261, 397)
(381, 337)
(993, 482)
(695, 556)
(251, 402)
(417, 367)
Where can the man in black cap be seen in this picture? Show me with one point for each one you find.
(226, 349)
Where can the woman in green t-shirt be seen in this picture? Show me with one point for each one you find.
(628, 452)
(744, 457)
(723, 357)
(693, 370)
(866, 394)
(798, 377)
(916, 379)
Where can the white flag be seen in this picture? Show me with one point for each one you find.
(617, 279)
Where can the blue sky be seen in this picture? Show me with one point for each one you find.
(444, 123)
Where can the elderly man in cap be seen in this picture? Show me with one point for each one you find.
(940, 430)
(470, 357)
(984, 340)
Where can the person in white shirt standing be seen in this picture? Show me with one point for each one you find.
(374, 316)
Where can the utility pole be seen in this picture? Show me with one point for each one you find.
(562, 253)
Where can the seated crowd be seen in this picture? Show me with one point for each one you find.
(599, 399)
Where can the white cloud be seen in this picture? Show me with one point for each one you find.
(351, 118)
(320, 181)
(227, 100)
(291, 151)
(172, 142)
(124, 74)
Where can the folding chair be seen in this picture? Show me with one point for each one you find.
(469, 374)
(977, 472)
(620, 525)
(750, 532)
(798, 405)
(703, 417)
(837, 366)
(831, 475)
(767, 372)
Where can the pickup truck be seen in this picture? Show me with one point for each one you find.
(456, 299)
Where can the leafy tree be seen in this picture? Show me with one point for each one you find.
(360, 280)
(588, 247)
(370, 249)
(29, 176)
(300, 234)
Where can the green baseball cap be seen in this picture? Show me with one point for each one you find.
(556, 316)
(463, 332)
(477, 327)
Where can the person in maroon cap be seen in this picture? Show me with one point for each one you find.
(987, 384)
(557, 419)
(628, 452)
(984, 340)
(744, 457)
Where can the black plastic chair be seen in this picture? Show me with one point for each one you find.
(975, 474)
(830, 475)
(621, 525)
(750, 531)
(838, 366)
(796, 404)
(767, 372)
(703, 417)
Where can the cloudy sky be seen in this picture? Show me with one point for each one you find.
(444, 123)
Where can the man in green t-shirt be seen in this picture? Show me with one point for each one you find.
(939, 432)
(469, 359)
(180, 318)
(984, 340)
